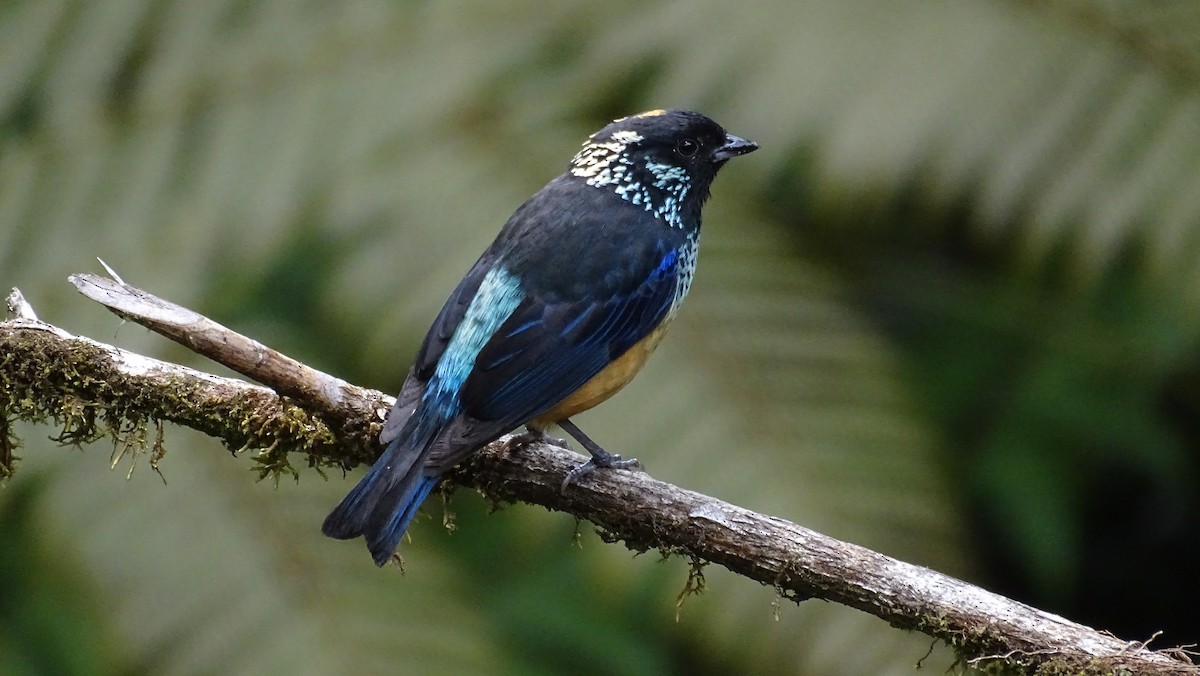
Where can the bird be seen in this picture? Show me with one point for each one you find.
(559, 313)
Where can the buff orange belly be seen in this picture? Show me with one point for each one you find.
(605, 383)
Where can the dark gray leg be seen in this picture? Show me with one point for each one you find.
(600, 457)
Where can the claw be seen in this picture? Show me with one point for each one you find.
(607, 461)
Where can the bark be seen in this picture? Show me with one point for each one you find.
(94, 390)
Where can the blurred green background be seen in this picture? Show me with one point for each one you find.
(948, 312)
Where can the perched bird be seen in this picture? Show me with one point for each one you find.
(557, 315)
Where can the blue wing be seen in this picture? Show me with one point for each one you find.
(549, 347)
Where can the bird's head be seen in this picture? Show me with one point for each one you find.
(664, 160)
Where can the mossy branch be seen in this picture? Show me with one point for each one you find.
(92, 390)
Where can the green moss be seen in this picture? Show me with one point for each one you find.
(694, 586)
(9, 443)
(75, 386)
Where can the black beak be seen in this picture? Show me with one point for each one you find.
(734, 146)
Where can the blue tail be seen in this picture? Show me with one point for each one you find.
(385, 501)
(387, 526)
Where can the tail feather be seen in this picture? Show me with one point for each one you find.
(387, 526)
(386, 499)
(349, 518)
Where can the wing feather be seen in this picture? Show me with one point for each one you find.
(550, 347)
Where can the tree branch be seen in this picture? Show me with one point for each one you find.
(94, 390)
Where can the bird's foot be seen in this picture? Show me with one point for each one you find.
(600, 457)
(532, 436)
(607, 461)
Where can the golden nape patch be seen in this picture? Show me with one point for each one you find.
(649, 113)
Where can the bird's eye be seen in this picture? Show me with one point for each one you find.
(688, 147)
